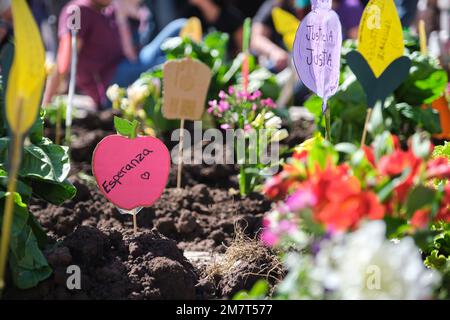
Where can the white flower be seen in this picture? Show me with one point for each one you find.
(279, 135)
(137, 93)
(364, 265)
(113, 93)
(273, 122)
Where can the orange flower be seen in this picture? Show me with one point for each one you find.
(341, 202)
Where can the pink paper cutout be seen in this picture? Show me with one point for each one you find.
(317, 50)
(131, 173)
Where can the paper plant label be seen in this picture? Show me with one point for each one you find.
(186, 84)
(131, 173)
(285, 24)
(317, 49)
(380, 38)
(193, 30)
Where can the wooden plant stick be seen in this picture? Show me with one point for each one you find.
(73, 79)
(366, 124)
(423, 38)
(180, 154)
(58, 124)
(327, 111)
(134, 213)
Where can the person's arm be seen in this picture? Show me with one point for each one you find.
(63, 68)
(262, 45)
(122, 14)
(209, 9)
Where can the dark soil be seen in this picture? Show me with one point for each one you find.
(89, 232)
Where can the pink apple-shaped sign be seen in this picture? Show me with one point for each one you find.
(317, 50)
(131, 173)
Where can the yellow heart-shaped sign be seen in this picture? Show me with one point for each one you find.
(193, 30)
(380, 38)
(285, 24)
(27, 75)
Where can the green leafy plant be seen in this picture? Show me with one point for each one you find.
(403, 112)
(259, 127)
(144, 100)
(43, 174)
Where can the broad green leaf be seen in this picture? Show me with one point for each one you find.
(28, 264)
(420, 197)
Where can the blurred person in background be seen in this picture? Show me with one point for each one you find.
(105, 51)
(221, 15)
(5, 21)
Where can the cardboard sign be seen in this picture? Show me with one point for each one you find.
(27, 74)
(378, 89)
(193, 30)
(317, 50)
(186, 84)
(380, 38)
(285, 24)
(131, 173)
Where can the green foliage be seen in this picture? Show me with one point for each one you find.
(259, 291)
(125, 127)
(426, 82)
(43, 174)
(28, 264)
(442, 151)
(403, 113)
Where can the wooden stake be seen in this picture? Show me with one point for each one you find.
(423, 38)
(180, 154)
(327, 120)
(73, 79)
(134, 221)
(58, 125)
(364, 135)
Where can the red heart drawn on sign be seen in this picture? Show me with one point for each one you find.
(131, 173)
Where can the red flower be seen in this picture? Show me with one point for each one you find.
(341, 202)
(443, 214)
(300, 155)
(369, 154)
(438, 168)
(275, 188)
(420, 219)
(395, 164)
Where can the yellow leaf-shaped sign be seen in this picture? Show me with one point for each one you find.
(285, 24)
(193, 30)
(27, 74)
(380, 35)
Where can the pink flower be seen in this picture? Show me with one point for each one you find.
(243, 95)
(255, 95)
(301, 199)
(248, 127)
(439, 168)
(269, 238)
(210, 110)
(273, 231)
(230, 90)
(223, 106)
(254, 107)
(268, 103)
(222, 95)
(212, 103)
(225, 126)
